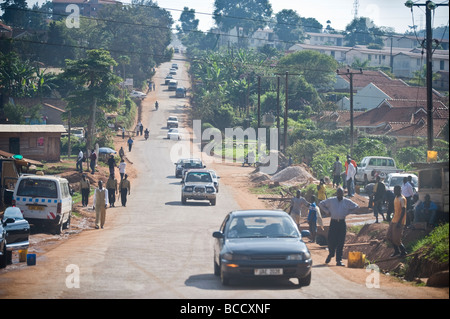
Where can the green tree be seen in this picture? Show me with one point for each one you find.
(363, 31)
(248, 15)
(289, 27)
(96, 83)
(188, 21)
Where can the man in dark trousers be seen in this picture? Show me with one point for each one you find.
(379, 191)
(338, 208)
(124, 189)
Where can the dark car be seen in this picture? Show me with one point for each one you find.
(14, 232)
(261, 243)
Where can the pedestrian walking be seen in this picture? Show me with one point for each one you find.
(141, 128)
(111, 164)
(93, 158)
(122, 168)
(337, 171)
(121, 153)
(85, 188)
(321, 191)
(125, 188)
(80, 157)
(111, 186)
(295, 209)
(123, 133)
(350, 177)
(130, 143)
(338, 208)
(314, 218)
(398, 222)
(100, 204)
(379, 190)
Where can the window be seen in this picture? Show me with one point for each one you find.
(37, 188)
(441, 65)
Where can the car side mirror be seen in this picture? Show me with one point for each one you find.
(218, 235)
(305, 233)
(9, 221)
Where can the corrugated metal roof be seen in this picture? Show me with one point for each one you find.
(19, 128)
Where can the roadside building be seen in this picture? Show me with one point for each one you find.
(37, 142)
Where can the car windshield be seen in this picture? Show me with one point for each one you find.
(199, 177)
(12, 212)
(37, 188)
(262, 226)
(398, 180)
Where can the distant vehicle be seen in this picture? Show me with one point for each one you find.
(172, 122)
(191, 164)
(373, 166)
(137, 95)
(177, 50)
(44, 200)
(106, 150)
(77, 132)
(173, 84)
(215, 178)
(173, 71)
(173, 134)
(14, 234)
(174, 66)
(180, 92)
(180, 164)
(394, 179)
(261, 244)
(168, 78)
(198, 185)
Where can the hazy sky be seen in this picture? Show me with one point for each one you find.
(387, 13)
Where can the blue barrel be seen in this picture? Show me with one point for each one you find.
(31, 259)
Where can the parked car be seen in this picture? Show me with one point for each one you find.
(180, 92)
(261, 243)
(173, 134)
(174, 66)
(394, 179)
(44, 201)
(173, 71)
(198, 185)
(373, 166)
(137, 95)
(14, 234)
(168, 78)
(172, 121)
(215, 178)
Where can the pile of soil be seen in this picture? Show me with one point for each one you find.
(293, 175)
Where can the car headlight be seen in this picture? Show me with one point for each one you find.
(189, 188)
(210, 189)
(229, 257)
(295, 257)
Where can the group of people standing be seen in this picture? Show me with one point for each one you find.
(105, 195)
(402, 203)
(347, 176)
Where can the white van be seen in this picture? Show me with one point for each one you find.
(373, 166)
(44, 200)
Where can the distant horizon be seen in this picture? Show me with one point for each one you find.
(384, 13)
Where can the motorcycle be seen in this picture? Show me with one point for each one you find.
(146, 135)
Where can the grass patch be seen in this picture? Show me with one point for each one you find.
(436, 245)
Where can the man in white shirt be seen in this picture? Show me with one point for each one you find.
(408, 192)
(338, 208)
(80, 161)
(122, 168)
(350, 179)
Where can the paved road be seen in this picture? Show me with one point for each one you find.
(157, 248)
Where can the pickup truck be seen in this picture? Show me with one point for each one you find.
(373, 166)
(172, 121)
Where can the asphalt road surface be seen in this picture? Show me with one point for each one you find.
(155, 247)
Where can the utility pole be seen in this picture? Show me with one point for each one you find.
(259, 101)
(286, 115)
(278, 111)
(350, 76)
(429, 6)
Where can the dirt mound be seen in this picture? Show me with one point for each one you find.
(292, 175)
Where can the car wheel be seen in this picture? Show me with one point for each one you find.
(66, 225)
(304, 281)
(213, 202)
(216, 269)
(3, 258)
(57, 229)
(225, 280)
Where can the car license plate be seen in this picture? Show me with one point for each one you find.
(35, 207)
(269, 272)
